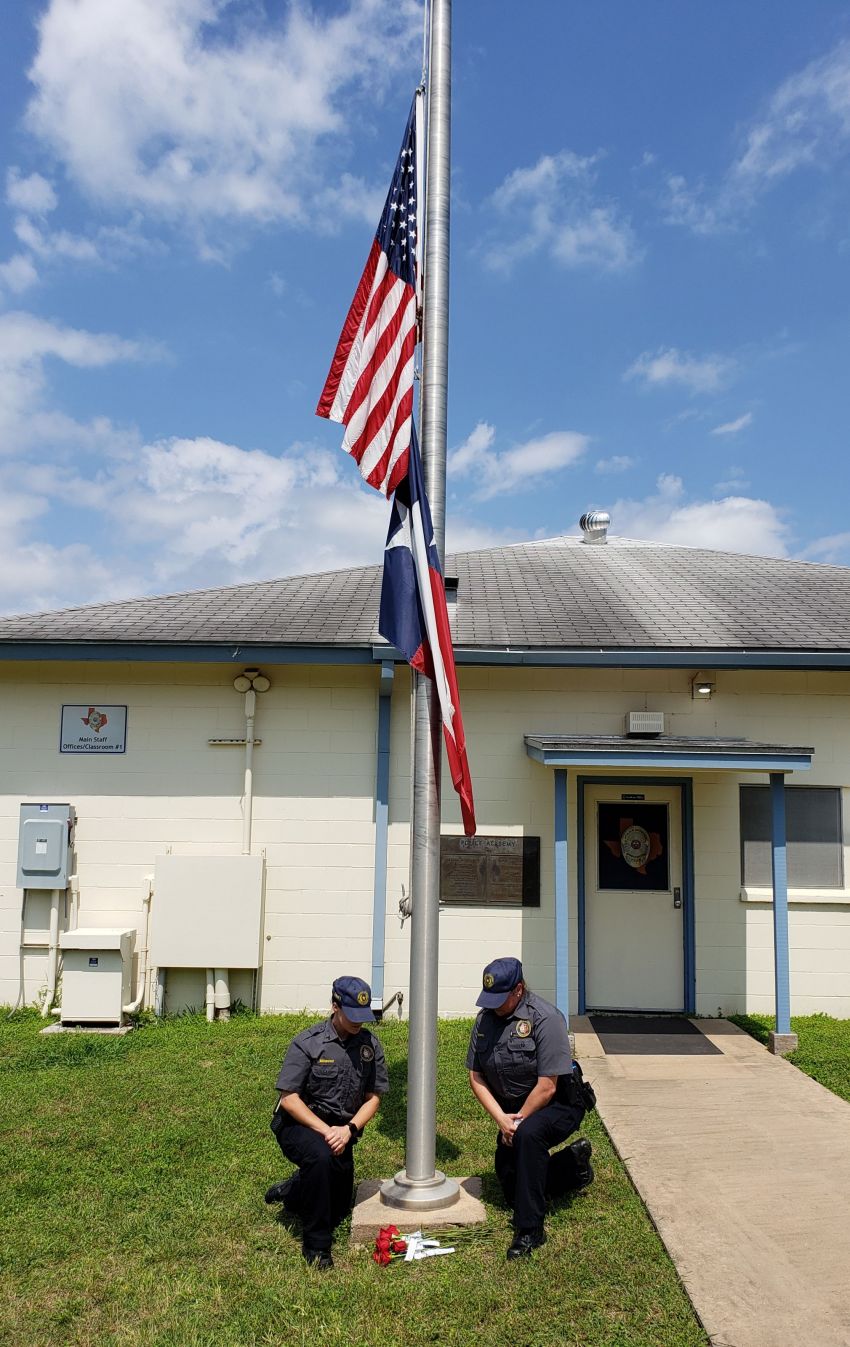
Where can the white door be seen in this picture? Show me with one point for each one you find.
(634, 928)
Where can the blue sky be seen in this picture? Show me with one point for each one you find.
(651, 247)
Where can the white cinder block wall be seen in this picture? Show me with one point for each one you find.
(314, 816)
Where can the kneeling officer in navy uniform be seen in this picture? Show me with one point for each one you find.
(330, 1083)
(522, 1072)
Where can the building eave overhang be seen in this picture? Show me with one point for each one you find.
(278, 652)
(620, 751)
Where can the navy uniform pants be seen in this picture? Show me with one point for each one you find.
(323, 1188)
(526, 1171)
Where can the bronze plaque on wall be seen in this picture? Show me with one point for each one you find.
(487, 871)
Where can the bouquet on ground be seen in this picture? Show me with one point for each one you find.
(389, 1245)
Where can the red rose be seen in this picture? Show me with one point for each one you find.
(381, 1256)
(383, 1242)
(399, 1246)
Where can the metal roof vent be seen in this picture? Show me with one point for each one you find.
(594, 525)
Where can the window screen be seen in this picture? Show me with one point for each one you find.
(813, 828)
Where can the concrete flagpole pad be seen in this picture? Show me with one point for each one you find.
(371, 1213)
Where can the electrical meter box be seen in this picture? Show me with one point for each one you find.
(44, 845)
(97, 967)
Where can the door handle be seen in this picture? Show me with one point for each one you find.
(677, 897)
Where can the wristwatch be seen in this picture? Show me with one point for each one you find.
(354, 1129)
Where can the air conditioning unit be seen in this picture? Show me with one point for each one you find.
(644, 724)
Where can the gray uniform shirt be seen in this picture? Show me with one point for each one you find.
(511, 1052)
(333, 1076)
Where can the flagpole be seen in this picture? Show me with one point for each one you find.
(420, 1185)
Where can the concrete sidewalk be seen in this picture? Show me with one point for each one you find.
(744, 1165)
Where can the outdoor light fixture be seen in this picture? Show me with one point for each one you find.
(251, 678)
(702, 686)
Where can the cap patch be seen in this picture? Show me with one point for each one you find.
(363, 998)
(523, 1029)
(489, 980)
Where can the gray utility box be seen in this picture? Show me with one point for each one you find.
(44, 846)
(97, 968)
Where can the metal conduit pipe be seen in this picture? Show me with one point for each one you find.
(159, 995)
(222, 994)
(210, 995)
(52, 953)
(139, 1001)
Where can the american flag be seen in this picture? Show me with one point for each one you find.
(369, 389)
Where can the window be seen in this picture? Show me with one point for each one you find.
(813, 829)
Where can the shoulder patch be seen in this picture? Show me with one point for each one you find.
(367, 1053)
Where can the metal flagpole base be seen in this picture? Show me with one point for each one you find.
(420, 1194)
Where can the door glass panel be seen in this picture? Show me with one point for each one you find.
(633, 846)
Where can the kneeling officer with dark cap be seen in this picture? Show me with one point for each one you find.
(330, 1083)
(522, 1072)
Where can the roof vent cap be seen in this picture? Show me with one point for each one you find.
(594, 525)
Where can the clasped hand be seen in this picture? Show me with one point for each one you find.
(338, 1138)
(508, 1124)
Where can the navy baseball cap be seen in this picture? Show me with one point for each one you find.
(354, 998)
(500, 978)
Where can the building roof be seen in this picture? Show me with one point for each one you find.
(553, 595)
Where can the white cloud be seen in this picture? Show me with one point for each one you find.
(834, 550)
(18, 274)
(732, 427)
(616, 463)
(696, 207)
(187, 110)
(664, 367)
(465, 535)
(552, 207)
(734, 482)
(731, 524)
(34, 194)
(496, 472)
(805, 124)
(26, 342)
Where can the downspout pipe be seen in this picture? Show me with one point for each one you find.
(248, 794)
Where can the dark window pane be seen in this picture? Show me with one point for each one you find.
(813, 826)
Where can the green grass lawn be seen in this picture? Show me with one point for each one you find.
(132, 1213)
(824, 1050)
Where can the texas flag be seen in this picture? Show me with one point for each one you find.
(414, 617)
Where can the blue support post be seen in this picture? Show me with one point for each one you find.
(382, 792)
(779, 860)
(562, 944)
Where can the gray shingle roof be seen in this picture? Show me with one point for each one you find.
(554, 594)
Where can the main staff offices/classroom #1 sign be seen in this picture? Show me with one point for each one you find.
(93, 729)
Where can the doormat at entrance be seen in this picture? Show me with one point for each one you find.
(651, 1036)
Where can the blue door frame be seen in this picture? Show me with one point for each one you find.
(688, 938)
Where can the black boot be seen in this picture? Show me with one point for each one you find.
(525, 1241)
(318, 1258)
(285, 1192)
(581, 1151)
